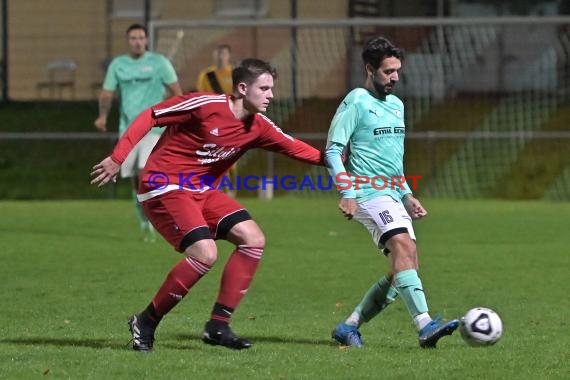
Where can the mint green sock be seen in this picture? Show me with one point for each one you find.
(410, 287)
(392, 294)
(376, 299)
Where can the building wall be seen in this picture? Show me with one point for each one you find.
(41, 31)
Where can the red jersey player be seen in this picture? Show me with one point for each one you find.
(205, 134)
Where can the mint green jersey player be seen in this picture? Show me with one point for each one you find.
(370, 122)
(374, 131)
(141, 83)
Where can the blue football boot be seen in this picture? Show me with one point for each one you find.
(347, 335)
(436, 329)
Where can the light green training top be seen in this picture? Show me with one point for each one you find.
(140, 82)
(374, 130)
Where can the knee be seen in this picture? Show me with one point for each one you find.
(255, 239)
(204, 251)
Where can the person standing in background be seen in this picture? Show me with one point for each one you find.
(218, 78)
(141, 78)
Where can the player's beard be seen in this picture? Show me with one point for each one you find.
(383, 89)
(138, 51)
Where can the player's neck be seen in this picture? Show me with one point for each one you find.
(238, 109)
(136, 55)
(373, 91)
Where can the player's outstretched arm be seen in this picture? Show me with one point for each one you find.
(105, 171)
(135, 132)
(274, 139)
(298, 150)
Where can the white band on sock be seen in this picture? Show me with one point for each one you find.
(421, 320)
(353, 319)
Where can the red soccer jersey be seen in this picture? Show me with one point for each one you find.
(202, 140)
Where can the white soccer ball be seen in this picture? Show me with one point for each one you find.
(481, 326)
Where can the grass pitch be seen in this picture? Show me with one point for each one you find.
(72, 272)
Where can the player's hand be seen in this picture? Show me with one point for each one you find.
(101, 123)
(348, 207)
(414, 207)
(104, 172)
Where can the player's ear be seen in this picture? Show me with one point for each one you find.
(242, 88)
(369, 69)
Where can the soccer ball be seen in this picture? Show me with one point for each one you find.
(481, 326)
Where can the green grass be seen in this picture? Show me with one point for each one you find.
(73, 271)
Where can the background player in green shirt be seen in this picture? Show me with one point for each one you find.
(370, 122)
(141, 77)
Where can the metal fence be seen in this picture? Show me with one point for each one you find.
(487, 101)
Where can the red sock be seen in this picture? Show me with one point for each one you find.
(181, 278)
(237, 276)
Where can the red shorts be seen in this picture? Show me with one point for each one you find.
(183, 217)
